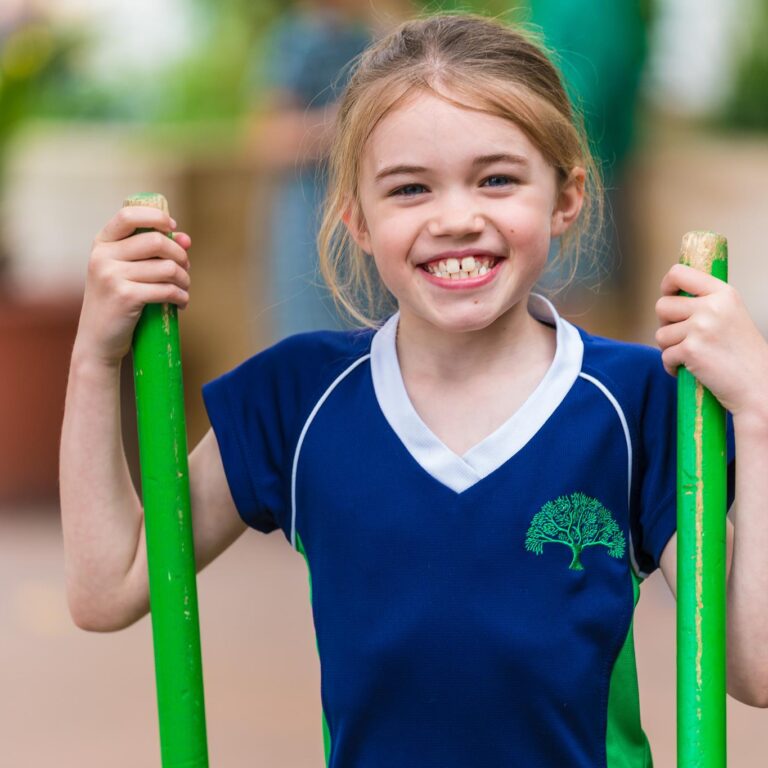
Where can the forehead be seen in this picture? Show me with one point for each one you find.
(433, 132)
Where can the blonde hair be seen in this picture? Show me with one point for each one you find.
(489, 66)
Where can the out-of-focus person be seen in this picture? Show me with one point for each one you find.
(306, 65)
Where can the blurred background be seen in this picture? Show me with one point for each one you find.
(224, 107)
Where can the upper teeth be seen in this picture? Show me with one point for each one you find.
(470, 266)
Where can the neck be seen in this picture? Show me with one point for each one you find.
(514, 340)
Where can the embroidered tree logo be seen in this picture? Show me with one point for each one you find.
(578, 521)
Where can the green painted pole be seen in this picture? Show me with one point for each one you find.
(168, 522)
(701, 515)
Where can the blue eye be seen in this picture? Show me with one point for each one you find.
(504, 180)
(403, 191)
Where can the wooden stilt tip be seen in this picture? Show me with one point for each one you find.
(700, 249)
(148, 199)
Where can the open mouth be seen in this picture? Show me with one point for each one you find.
(461, 269)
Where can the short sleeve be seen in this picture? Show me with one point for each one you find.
(243, 407)
(655, 519)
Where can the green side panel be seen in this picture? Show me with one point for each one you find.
(626, 745)
(326, 739)
(326, 729)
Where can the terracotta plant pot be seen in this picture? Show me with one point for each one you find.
(35, 345)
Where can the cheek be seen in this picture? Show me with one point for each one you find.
(391, 274)
(394, 236)
(533, 238)
(530, 228)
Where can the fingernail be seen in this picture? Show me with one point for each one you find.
(173, 224)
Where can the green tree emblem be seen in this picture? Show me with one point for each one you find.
(578, 521)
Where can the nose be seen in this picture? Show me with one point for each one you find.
(459, 218)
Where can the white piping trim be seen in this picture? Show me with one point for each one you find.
(311, 416)
(625, 427)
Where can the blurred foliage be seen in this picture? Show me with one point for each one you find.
(41, 73)
(503, 8)
(746, 108)
(32, 53)
(213, 83)
(221, 80)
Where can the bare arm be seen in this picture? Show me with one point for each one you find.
(712, 334)
(101, 513)
(746, 573)
(215, 522)
(284, 136)
(102, 517)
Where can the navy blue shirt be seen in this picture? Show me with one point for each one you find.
(470, 610)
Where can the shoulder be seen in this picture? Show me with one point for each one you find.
(321, 352)
(297, 368)
(319, 348)
(266, 399)
(319, 355)
(310, 29)
(633, 373)
(289, 38)
(625, 362)
(289, 25)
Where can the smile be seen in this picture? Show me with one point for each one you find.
(461, 269)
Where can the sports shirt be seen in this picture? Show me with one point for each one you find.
(470, 610)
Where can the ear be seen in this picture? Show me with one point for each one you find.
(570, 198)
(355, 222)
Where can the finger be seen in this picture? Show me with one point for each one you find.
(670, 335)
(684, 278)
(675, 309)
(672, 359)
(147, 245)
(127, 220)
(156, 271)
(182, 239)
(161, 293)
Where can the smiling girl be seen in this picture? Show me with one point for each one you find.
(478, 486)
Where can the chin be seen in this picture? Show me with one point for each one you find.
(466, 321)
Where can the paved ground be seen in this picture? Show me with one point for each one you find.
(75, 700)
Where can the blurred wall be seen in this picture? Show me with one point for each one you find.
(682, 180)
(62, 187)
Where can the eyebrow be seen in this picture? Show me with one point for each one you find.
(478, 162)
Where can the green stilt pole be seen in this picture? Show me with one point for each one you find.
(701, 514)
(170, 548)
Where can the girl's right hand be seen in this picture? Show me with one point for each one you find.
(127, 271)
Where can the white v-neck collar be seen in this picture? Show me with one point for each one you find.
(461, 472)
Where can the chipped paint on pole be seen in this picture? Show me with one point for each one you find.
(701, 516)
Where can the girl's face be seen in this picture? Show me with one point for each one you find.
(458, 209)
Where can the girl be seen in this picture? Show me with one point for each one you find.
(478, 486)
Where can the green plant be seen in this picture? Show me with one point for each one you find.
(214, 82)
(747, 105)
(29, 54)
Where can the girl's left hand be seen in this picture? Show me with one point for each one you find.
(712, 334)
